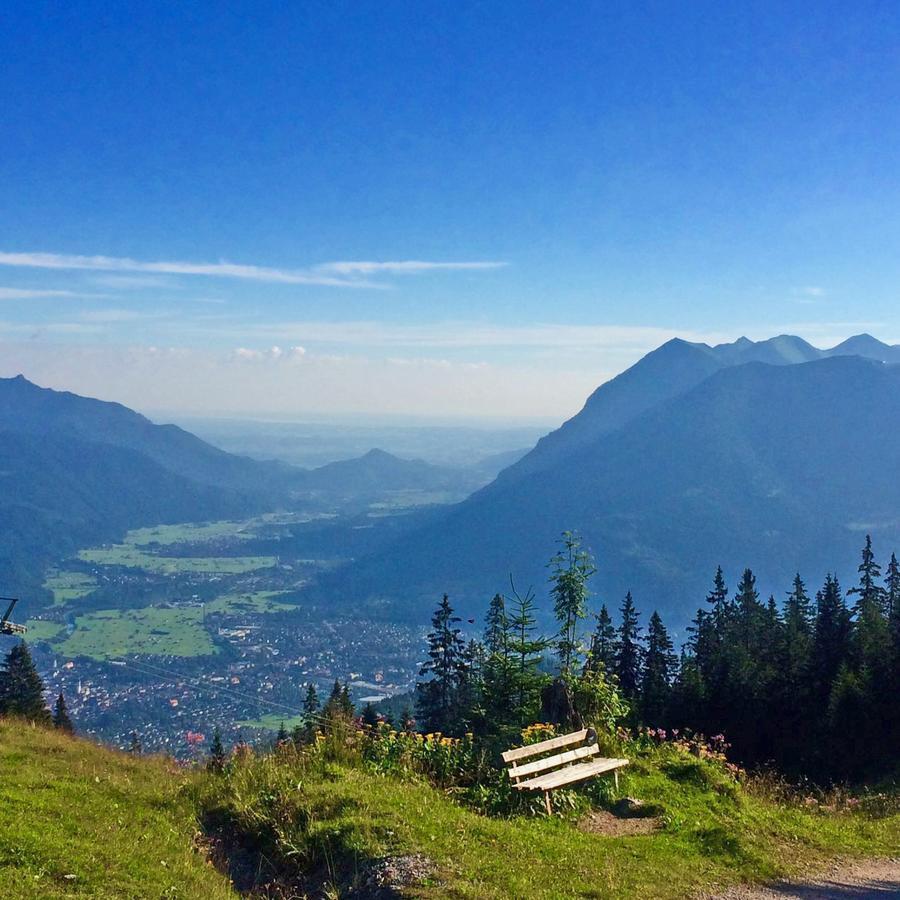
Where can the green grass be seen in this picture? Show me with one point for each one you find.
(191, 532)
(253, 602)
(41, 630)
(152, 630)
(69, 586)
(272, 722)
(132, 557)
(122, 826)
(110, 633)
(715, 832)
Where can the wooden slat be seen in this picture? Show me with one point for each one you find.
(571, 774)
(551, 762)
(544, 746)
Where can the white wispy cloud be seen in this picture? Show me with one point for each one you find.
(8, 293)
(339, 274)
(404, 267)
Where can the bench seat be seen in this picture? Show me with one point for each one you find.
(571, 774)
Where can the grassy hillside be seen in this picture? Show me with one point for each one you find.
(321, 826)
(77, 820)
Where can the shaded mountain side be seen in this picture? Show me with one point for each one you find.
(29, 409)
(669, 371)
(776, 467)
(58, 495)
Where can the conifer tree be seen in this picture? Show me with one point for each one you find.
(628, 650)
(831, 638)
(306, 733)
(369, 716)
(282, 736)
(135, 746)
(869, 593)
(61, 719)
(572, 568)
(660, 664)
(21, 688)
(526, 649)
(718, 600)
(498, 664)
(603, 643)
(892, 585)
(217, 758)
(437, 697)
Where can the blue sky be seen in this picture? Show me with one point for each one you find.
(198, 201)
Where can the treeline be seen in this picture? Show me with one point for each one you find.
(22, 692)
(810, 685)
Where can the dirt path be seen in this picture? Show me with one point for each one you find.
(877, 879)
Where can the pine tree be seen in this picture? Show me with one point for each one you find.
(437, 697)
(369, 716)
(831, 638)
(21, 688)
(572, 568)
(892, 586)
(282, 736)
(61, 719)
(307, 732)
(718, 600)
(628, 650)
(346, 704)
(135, 745)
(217, 758)
(603, 643)
(525, 649)
(498, 664)
(660, 666)
(869, 592)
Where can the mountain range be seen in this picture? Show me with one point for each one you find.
(774, 455)
(75, 471)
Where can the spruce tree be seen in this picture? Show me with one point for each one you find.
(869, 592)
(660, 666)
(61, 719)
(282, 736)
(572, 568)
(21, 688)
(831, 638)
(310, 714)
(369, 716)
(526, 649)
(629, 651)
(603, 643)
(892, 586)
(437, 698)
(217, 758)
(135, 746)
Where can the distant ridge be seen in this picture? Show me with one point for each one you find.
(741, 454)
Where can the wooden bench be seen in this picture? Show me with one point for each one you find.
(569, 766)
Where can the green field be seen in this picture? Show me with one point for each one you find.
(132, 557)
(153, 630)
(272, 722)
(158, 631)
(188, 533)
(255, 602)
(41, 630)
(68, 586)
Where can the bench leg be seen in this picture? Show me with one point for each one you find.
(616, 779)
(547, 803)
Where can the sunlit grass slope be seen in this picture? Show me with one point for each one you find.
(77, 820)
(302, 817)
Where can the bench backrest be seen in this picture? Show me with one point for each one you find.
(532, 759)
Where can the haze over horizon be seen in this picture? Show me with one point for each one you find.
(349, 208)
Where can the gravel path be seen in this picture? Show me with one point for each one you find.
(875, 879)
